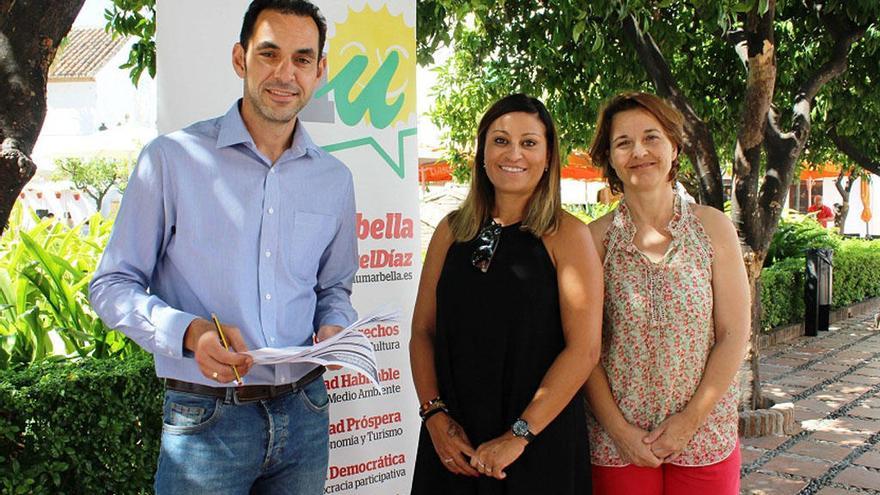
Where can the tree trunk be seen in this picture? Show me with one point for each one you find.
(754, 265)
(30, 33)
(699, 145)
(844, 190)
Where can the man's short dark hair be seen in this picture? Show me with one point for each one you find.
(302, 8)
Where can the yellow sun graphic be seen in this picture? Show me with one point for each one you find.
(383, 40)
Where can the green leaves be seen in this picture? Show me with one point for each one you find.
(135, 18)
(44, 308)
(87, 427)
(95, 176)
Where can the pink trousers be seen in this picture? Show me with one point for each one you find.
(721, 478)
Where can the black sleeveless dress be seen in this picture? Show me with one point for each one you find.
(497, 335)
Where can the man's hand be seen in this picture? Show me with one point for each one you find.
(214, 360)
(324, 333)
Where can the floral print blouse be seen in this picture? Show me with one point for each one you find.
(657, 333)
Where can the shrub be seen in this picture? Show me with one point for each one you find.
(44, 309)
(90, 426)
(782, 289)
(856, 277)
(797, 233)
(856, 272)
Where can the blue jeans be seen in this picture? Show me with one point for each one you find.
(216, 446)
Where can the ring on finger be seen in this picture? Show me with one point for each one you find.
(214, 375)
(448, 460)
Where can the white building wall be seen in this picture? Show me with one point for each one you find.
(854, 224)
(70, 109)
(119, 101)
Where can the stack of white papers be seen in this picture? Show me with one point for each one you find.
(348, 348)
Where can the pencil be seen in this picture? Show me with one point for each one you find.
(226, 345)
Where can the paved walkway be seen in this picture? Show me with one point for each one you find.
(834, 382)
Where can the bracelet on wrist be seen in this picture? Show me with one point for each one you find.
(432, 412)
(428, 404)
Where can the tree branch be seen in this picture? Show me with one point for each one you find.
(699, 144)
(848, 148)
(833, 67)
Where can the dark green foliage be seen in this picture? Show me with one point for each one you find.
(856, 272)
(797, 233)
(856, 278)
(91, 426)
(782, 293)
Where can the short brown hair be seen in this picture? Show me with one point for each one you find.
(671, 120)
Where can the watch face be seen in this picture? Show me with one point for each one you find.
(520, 428)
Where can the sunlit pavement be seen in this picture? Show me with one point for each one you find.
(833, 380)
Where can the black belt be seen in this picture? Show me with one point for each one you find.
(245, 393)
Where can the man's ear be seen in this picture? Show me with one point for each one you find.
(322, 67)
(238, 60)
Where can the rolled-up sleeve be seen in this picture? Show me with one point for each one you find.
(119, 290)
(337, 268)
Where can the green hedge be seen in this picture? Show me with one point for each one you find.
(89, 426)
(782, 289)
(856, 278)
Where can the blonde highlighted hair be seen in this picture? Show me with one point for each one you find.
(544, 210)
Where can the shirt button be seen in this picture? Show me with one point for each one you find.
(268, 253)
(271, 210)
(268, 297)
(272, 339)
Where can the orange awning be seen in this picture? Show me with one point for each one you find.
(820, 171)
(434, 172)
(579, 167)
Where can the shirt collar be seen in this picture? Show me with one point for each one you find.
(233, 131)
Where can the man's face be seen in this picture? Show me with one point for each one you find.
(281, 66)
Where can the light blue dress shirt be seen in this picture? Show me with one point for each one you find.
(209, 224)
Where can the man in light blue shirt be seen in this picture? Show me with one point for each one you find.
(242, 216)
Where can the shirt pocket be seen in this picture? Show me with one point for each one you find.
(312, 233)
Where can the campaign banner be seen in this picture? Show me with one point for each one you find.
(365, 115)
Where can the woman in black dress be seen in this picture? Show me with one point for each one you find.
(507, 323)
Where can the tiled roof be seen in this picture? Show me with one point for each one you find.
(86, 52)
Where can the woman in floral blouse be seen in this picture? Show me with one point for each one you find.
(663, 398)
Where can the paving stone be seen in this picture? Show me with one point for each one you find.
(816, 405)
(804, 414)
(870, 458)
(850, 389)
(770, 370)
(856, 424)
(785, 361)
(821, 451)
(868, 371)
(768, 442)
(800, 380)
(749, 454)
(833, 396)
(835, 491)
(797, 465)
(763, 484)
(859, 476)
(831, 366)
(865, 412)
(847, 438)
(860, 379)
